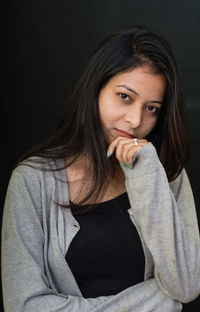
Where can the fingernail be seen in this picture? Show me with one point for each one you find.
(108, 154)
(130, 165)
(127, 166)
(121, 163)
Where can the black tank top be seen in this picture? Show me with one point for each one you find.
(106, 255)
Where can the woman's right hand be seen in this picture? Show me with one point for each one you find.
(125, 149)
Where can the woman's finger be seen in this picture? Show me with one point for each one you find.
(120, 149)
(124, 152)
(132, 151)
(129, 151)
(125, 149)
(115, 143)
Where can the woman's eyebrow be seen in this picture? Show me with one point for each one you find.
(128, 88)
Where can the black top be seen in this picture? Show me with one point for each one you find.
(106, 255)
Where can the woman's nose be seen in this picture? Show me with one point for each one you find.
(134, 116)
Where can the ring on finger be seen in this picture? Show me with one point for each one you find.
(135, 140)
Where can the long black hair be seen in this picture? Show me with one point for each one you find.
(80, 130)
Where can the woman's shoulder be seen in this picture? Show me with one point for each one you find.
(35, 177)
(36, 164)
(36, 169)
(182, 177)
(181, 185)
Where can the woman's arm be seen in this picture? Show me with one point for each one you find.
(25, 285)
(167, 220)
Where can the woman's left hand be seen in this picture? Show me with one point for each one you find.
(125, 149)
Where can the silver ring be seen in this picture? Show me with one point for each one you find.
(135, 141)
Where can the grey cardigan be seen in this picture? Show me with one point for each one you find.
(36, 235)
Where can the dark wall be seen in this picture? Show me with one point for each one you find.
(48, 42)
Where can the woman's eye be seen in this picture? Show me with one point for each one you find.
(124, 96)
(153, 109)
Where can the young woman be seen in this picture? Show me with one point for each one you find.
(100, 216)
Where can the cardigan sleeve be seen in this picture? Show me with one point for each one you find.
(166, 216)
(25, 284)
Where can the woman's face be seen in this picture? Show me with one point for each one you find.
(130, 102)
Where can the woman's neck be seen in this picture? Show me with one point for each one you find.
(80, 179)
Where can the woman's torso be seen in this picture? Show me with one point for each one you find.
(106, 255)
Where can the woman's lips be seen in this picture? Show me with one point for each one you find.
(124, 134)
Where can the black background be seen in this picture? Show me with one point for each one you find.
(47, 43)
